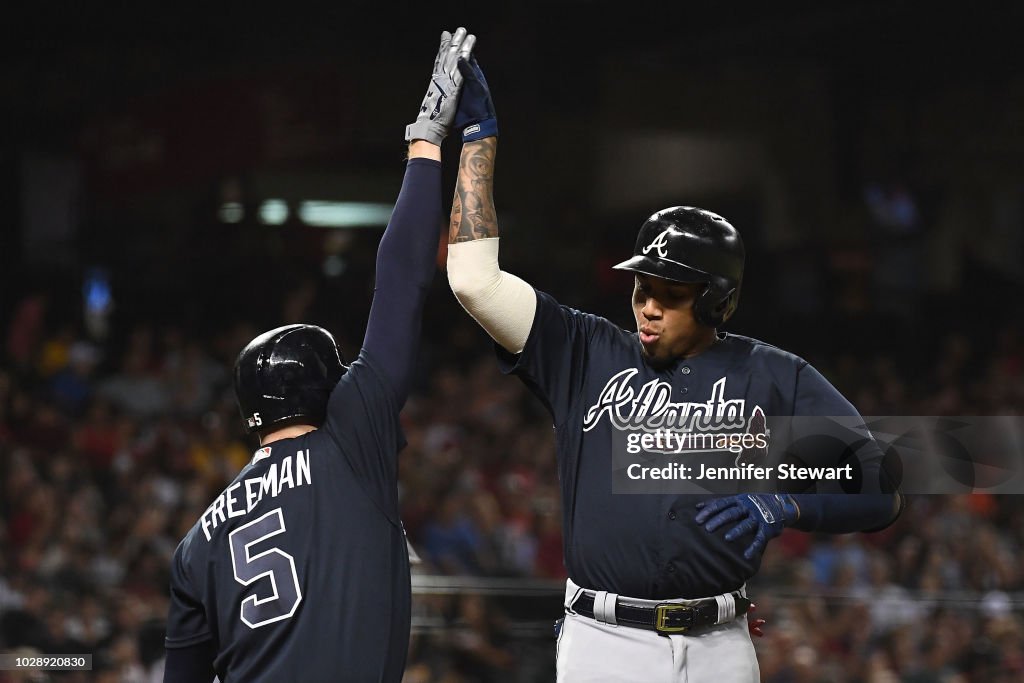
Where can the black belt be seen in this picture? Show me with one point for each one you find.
(668, 617)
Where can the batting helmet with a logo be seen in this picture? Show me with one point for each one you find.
(687, 244)
(287, 373)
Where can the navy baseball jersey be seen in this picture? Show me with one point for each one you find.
(592, 377)
(280, 570)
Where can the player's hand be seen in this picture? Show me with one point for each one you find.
(437, 110)
(766, 515)
(475, 115)
(754, 625)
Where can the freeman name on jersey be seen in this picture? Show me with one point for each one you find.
(242, 496)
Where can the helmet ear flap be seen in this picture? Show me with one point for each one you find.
(728, 305)
(716, 304)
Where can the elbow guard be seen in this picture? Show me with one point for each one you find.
(503, 304)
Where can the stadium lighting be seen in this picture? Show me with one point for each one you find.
(325, 214)
(273, 212)
(231, 212)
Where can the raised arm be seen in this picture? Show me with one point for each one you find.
(503, 304)
(473, 214)
(406, 255)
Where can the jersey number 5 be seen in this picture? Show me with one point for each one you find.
(272, 563)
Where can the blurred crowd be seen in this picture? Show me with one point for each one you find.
(110, 450)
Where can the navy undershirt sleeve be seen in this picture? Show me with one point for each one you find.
(845, 514)
(192, 664)
(406, 261)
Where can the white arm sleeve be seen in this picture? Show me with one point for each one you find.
(503, 304)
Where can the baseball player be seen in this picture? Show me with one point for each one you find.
(298, 571)
(657, 581)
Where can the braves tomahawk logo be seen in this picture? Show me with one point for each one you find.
(660, 243)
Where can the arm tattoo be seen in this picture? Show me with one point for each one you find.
(473, 215)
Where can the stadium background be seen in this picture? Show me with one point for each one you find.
(154, 168)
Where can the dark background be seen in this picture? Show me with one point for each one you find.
(129, 126)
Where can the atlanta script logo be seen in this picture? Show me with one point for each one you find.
(659, 424)
(651, 407)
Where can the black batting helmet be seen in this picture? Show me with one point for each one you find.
(687, 244)
(286, 373)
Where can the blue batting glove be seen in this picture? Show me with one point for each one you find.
(765, 514)
(475, 116)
